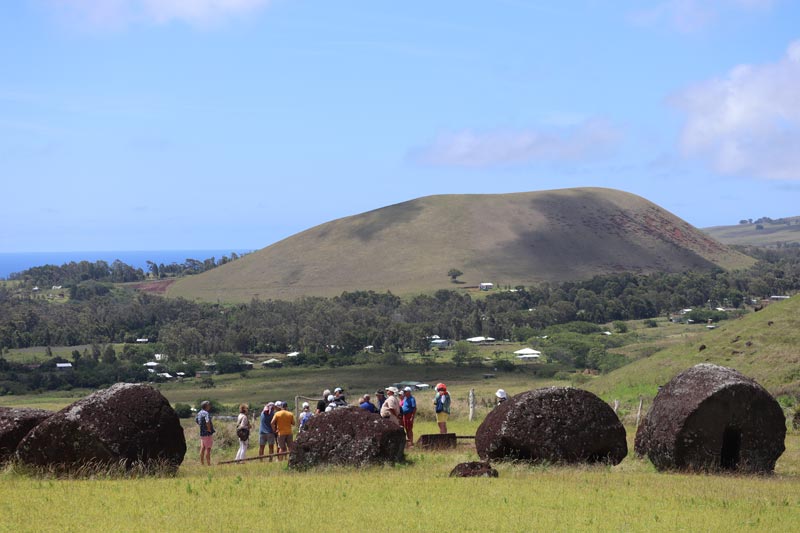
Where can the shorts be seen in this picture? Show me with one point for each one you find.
(442, 417)
(266, 438)
(284, 441)
(207, 442)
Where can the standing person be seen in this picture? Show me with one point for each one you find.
(338, 393)
(305, 416)
(331, 403)
(265, 433)
(381, 397)
(282, 424)
(441, 404)
(501, 396)
(242, 431)
(408, 409)
(391, 407)
(323, 403)
(367, 405)
(203, 420)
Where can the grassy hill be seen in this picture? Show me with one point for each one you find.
(767, 353)
(506, 239)
(761, 234)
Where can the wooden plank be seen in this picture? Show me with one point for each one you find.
(256, 458)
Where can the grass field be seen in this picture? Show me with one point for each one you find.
(417, 496)
(749, 234)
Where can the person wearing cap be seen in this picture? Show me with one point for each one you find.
(265, 433)
(203, 420)
(339, 395)
(323, 403)
(282, 423)
(391, 407)
(381, 397)
(331, 403)
(367, 405)
(441, 405)
(305, 415)
(501, 396)
(408, 409)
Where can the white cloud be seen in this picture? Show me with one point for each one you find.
(693, 15)
(748, 122)
(123, 12)
(587, 140)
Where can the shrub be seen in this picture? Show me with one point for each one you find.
(505, 365)
(183, 410)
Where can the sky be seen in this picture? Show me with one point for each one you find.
(216, 124)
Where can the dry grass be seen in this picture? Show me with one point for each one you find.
(508, 239)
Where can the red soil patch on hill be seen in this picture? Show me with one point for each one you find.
(154, 287)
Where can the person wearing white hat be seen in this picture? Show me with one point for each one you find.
(338, 392)
(305, 415)
(331, 403)
(501, 396)
(391, 407)
(323, 403)
(408, 408)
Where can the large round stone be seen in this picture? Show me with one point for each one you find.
(348, 436)
(711, 418)
(125, 424)
(15, 423)
(554, 425)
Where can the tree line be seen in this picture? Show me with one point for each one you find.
(336, 331)
(347, 323)
(75, 272)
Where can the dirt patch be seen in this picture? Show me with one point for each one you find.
(154, 287)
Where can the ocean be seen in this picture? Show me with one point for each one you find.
(17, 262)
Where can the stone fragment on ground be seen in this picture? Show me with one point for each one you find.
(474, 469)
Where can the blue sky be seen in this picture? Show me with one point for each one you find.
(202, 124)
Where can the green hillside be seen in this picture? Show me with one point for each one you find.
(506, 239)
(768, 353)
(764, 233)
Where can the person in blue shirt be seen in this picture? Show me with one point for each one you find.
(305, 416)
(203, 420)
(408, 408)
(367, 405)
(265, 433)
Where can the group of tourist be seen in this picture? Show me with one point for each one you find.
(277, 421)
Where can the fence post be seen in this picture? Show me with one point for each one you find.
(639, 412)
(471, 405)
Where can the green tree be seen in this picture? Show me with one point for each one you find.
(109, 355)
(454, 273)
(463, 352)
